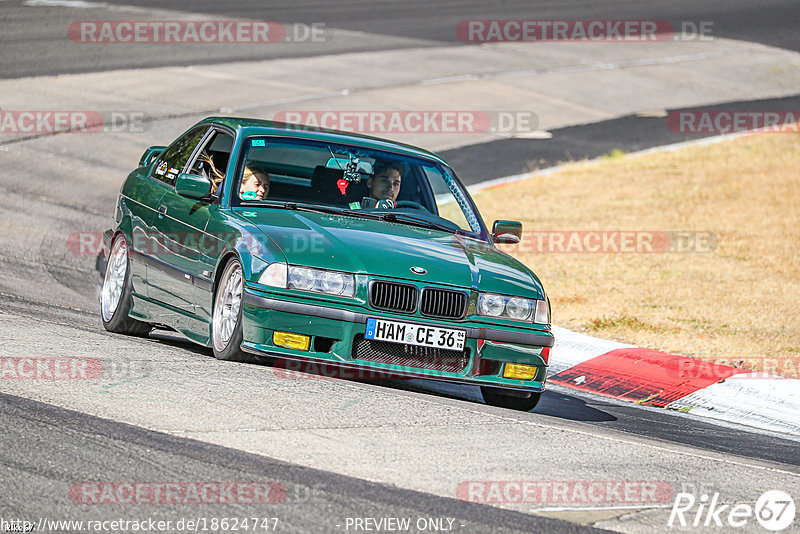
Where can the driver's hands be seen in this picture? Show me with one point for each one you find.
(385, 204)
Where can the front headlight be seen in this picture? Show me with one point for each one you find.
(308, 279)
(321, 281)
(301, 278)
(516, 308)
(335, 283)
(491, 305)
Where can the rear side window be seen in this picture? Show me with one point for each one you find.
(171, 162)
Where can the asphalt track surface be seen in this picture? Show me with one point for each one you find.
(63, 445)
(44, 445)
(36, 36)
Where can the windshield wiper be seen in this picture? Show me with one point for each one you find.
(333, 210)
(417, 221)
(316, 208)
(313, 207)
(263, 203)
(294, 206)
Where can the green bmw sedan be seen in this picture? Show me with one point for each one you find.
(268, 240)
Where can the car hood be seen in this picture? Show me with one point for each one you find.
(389, 249)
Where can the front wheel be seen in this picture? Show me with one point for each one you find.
(226, 319)
(115, 295)
(501, 398)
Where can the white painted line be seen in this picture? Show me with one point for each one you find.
(79, 4)
(287, 100)
(594, 508)
(583, 67)
(450, 79)
(536, 134)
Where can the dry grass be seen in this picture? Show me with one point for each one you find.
(738, 304)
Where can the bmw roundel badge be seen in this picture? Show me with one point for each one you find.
(418, 270)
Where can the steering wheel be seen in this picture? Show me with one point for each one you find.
(410, 204)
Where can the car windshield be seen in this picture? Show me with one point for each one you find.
(309, 175)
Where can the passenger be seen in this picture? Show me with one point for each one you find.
(384, 184)
(255, 183)
(215, 175)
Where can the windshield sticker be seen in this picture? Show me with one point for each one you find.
(257, 142)
(162, 168)
(249, 195)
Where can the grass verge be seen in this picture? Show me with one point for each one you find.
(736, 301)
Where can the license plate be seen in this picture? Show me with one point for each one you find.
(415, 334)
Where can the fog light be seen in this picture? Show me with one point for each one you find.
(519, 371)
(291, 341)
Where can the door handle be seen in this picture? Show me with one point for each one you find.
(162, 209)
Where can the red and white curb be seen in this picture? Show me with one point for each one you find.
(654, 378)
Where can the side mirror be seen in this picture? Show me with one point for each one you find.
(509, 232)
(192, 186)
(150, 154)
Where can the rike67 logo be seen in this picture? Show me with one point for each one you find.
(774, 511)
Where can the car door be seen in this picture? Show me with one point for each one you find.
(138, 200)
(182, 224)
(214, 236)
(170, 265)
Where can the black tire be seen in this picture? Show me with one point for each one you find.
(115, 317)
(501, 398)
(228, 347)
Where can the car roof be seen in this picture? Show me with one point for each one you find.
(247, 127)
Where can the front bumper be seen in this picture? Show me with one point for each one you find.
(337, 339)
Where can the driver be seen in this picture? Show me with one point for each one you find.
(384, 184)
(255, 183)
